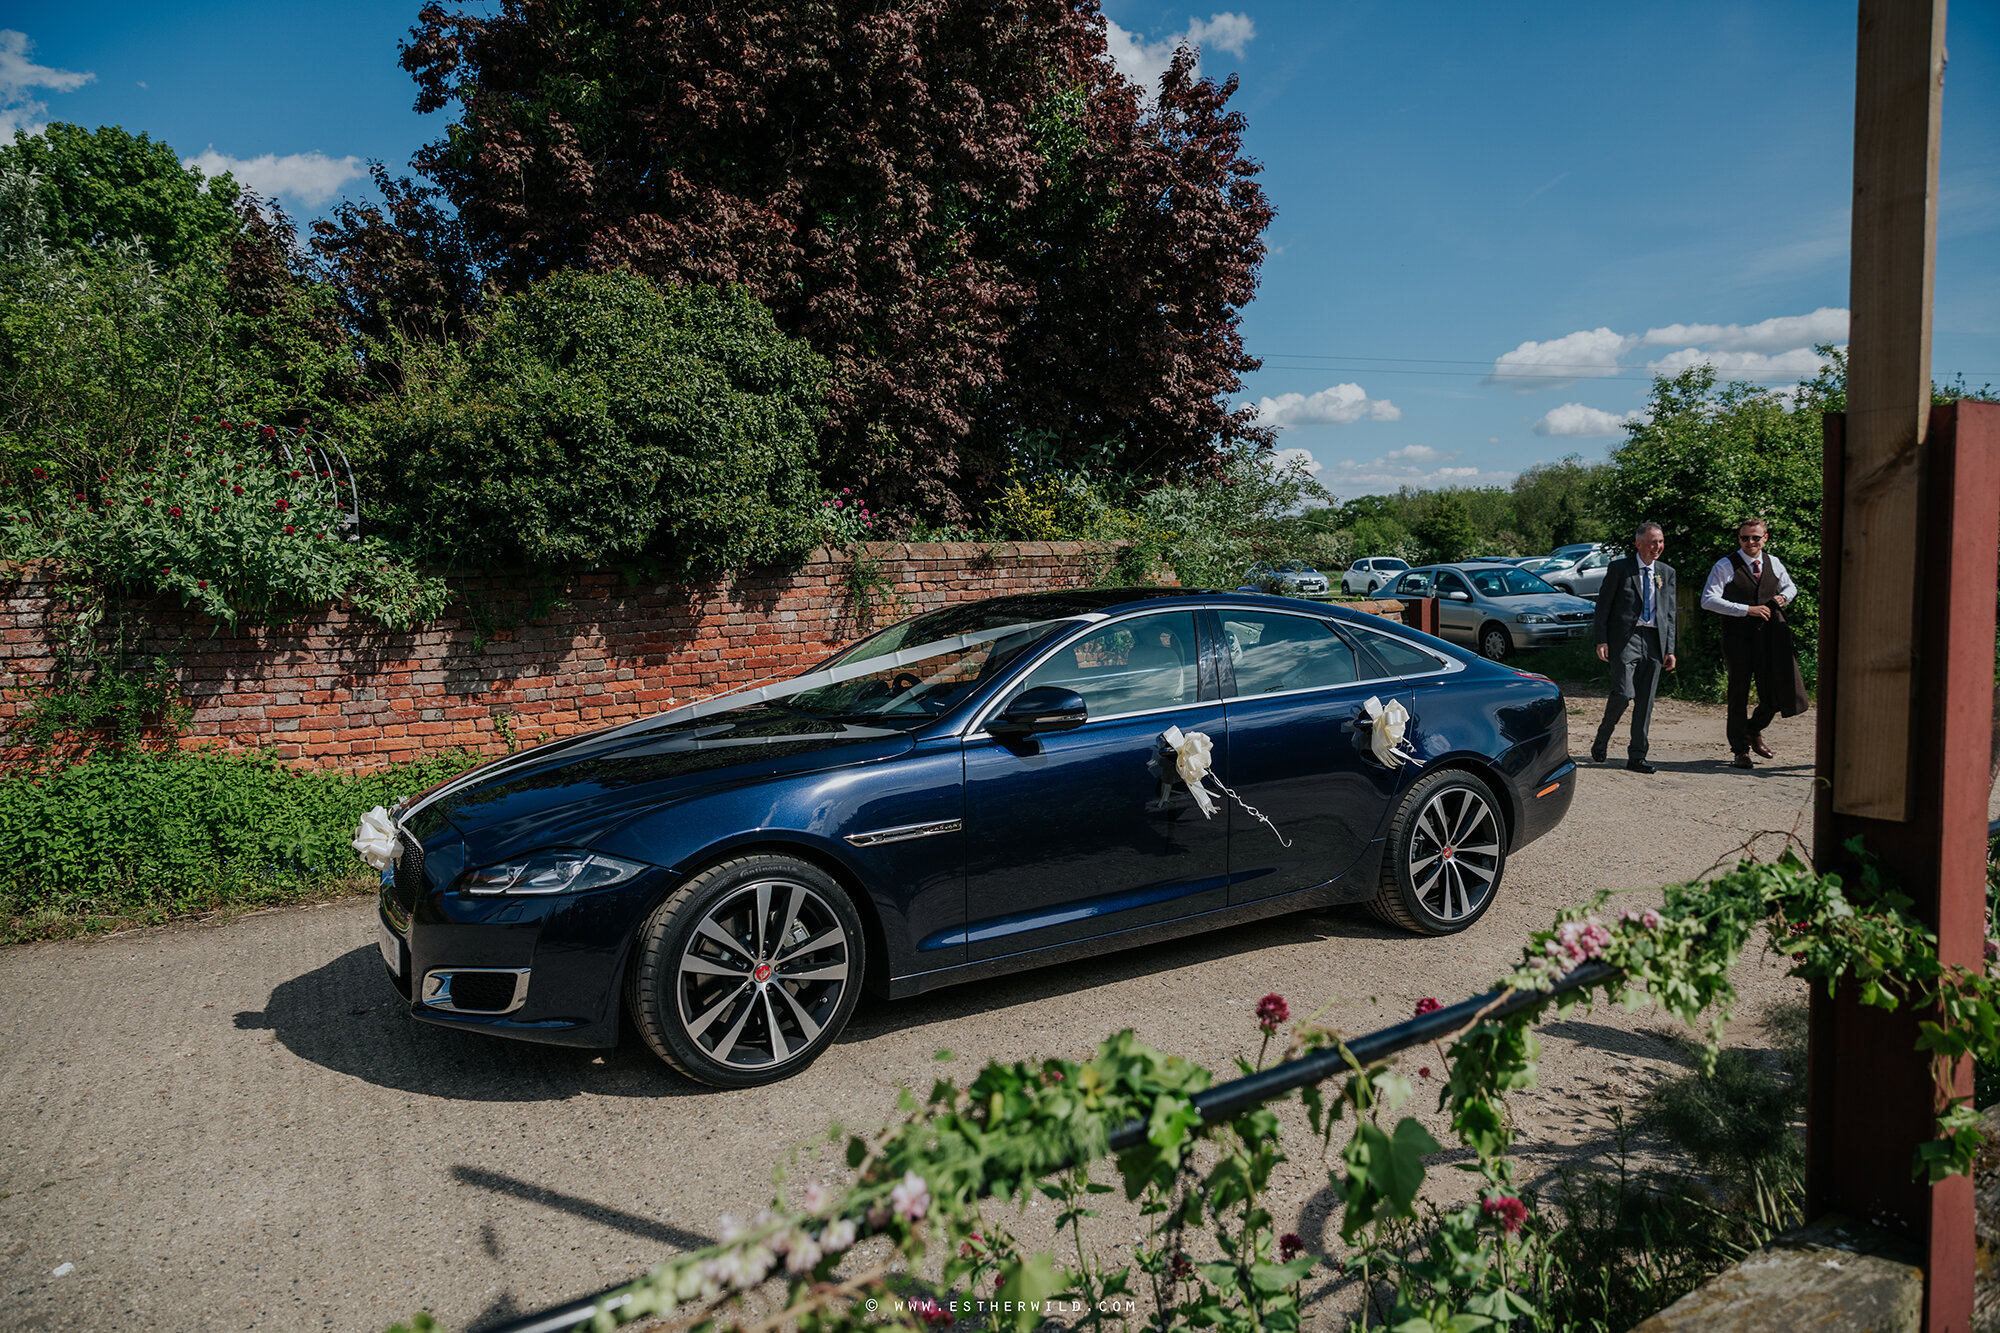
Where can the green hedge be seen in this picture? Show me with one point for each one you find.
(145, 837)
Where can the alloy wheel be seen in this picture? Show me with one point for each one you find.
(762, 974)
(1454, 855)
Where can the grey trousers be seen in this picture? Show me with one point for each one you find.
(1635, 679)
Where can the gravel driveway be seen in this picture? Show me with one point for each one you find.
(237, 1126)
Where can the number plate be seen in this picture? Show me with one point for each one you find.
(1579, 631)
(391, 945)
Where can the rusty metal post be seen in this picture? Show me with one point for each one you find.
(1871, 1096)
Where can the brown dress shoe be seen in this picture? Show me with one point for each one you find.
(1757, 744)
(1740, 761)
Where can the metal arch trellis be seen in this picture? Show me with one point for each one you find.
(313, 442)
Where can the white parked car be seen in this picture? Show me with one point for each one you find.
(1366, 575)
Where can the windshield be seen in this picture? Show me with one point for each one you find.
(925, 666)
(1508, 583)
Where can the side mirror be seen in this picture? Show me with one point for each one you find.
(1459, 596)
(1044, 708)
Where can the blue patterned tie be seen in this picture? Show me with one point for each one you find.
(1646, 579)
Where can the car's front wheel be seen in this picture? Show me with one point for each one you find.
(1495, 643)
(748, 972)
(1447, 851)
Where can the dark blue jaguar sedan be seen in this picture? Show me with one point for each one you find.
(978, 789)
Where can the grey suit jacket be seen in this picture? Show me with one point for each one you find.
(1620, 602)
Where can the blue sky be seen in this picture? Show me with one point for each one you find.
(1492, 220)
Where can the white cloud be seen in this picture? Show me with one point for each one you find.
(20, 77)
(1585, 354)
(1144, 62)
(1393, 470)
(1799, 363)
(309, 178)
(1284, 456)
(1587, 423)
(1339, 405)
(1824, 325)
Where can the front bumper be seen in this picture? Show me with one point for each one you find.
(568, 952)
(1545, 636)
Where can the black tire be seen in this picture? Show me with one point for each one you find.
(783, 914)
(1425, 891)
(1496, 643)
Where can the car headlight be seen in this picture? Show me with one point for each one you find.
(1529, 618)
(550, 872)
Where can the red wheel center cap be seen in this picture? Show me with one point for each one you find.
(763, 972)
(1447, 853)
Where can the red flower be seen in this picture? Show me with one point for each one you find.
(236, 490)
(268, 432)
(146, 500)
(1183, 1267)
(288, 529)
(283, 505)
(225, 425)
(198, 420)
(39, 474)
(1509, 1212)
(166, 569)
(295, 475)
(174, 511)
(1271, 1011)
(203, 583)
(215, 509)
(1427, 1006)
(1289, 1245)
(1424, 1071)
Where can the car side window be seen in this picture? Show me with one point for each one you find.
(1397, 657)
(1491, 585)
(1364, 565)
(1450, 582)
(1416, 585)
(1132, 666)
(1598, 561)
(1272, 652)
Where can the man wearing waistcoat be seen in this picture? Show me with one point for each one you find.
(1635, 633)
(1750, 589)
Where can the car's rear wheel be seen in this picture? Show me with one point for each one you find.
(1447, 851)
(748, 972)
(1496, 643)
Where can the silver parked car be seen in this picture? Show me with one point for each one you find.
(1366, 575)
(1286, 578)
(1498, 609)
(1585, 575)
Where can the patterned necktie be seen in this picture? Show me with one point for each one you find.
(1756, 570)
(1646, 582)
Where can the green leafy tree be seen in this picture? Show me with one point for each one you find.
(602, 417)
(96, 187)
(1446, 529)
(1216, 528)
(1555, 504)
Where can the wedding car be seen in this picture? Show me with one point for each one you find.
(992, 786)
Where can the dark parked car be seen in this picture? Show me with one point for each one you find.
(974, 791)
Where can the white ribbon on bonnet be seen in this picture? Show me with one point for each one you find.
(376, 839)
(1193, 754)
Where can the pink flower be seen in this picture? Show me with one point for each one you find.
(840, 504)
(931, 1311)
(911, 1198)
(1289, 1245)
(1427, 1006)
(1271, 1011)
(1509, 1212)
(837, 1237)
(1650, 919)
(1992, 950)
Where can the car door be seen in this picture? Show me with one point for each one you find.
(1295, 689)
(1074, 834)
(1590, 573)
(1458, 614)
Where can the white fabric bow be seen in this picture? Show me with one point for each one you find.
(376, 839)
(1193, 754)
(1387, 723)
(1193, 757)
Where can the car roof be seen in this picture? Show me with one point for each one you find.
(1118, 601)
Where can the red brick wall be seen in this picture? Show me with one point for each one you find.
(334, 689)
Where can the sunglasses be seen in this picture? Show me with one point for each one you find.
(1749, 539)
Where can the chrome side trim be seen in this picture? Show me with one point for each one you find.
(436, 991)
(905, 833)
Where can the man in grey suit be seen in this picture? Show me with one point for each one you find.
(1635, 633)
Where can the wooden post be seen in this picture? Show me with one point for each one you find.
(1870, 1093)
(1899, 82)
(1421, 614)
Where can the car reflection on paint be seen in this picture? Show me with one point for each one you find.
(967, 793)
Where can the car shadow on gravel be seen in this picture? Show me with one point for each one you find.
(344, 1017)
(875, 1017)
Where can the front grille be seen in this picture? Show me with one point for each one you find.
(1567, 616)
(409, 871)
(482, 992)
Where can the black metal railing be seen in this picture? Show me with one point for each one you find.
(1222, 1102)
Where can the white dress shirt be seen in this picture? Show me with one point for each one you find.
(1725, 570)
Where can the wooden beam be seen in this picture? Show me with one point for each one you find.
(1899, 82)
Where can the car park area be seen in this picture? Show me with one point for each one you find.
(237, 1124)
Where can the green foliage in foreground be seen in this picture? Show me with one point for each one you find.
(942, 1179)
(143, 837)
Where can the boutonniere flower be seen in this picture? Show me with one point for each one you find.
(1657, 581)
